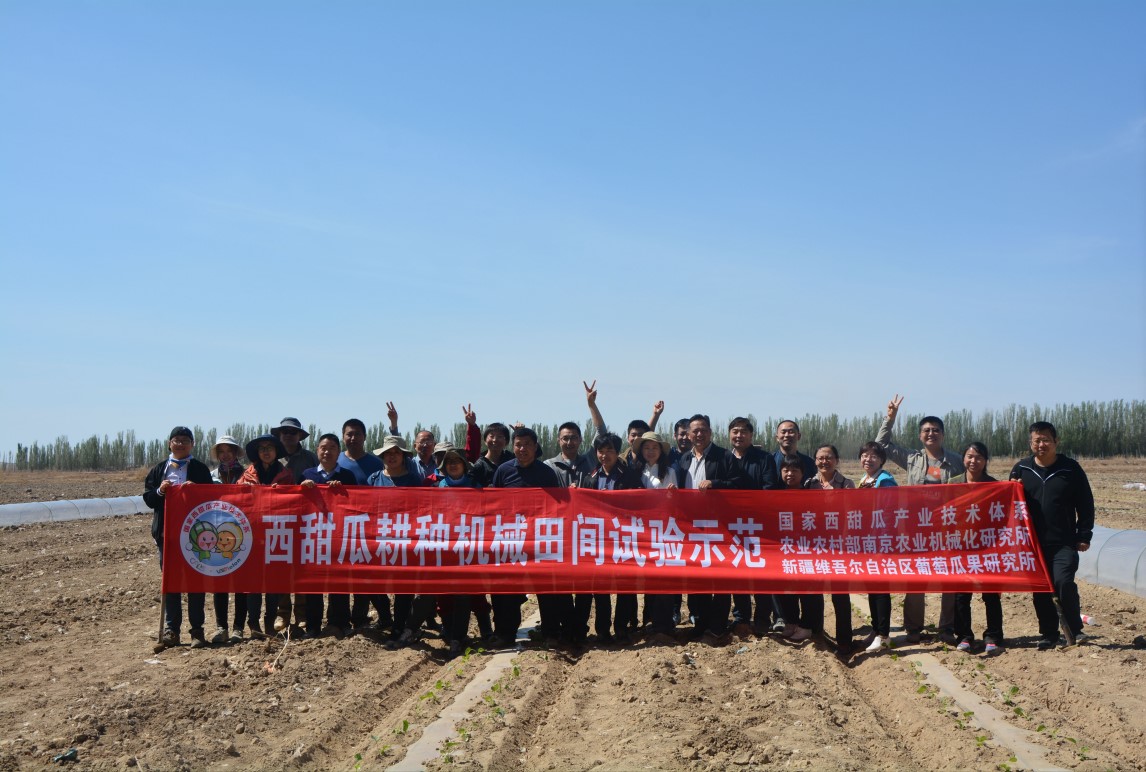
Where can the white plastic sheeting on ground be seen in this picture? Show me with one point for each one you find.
(1116, 558)
(77, 509)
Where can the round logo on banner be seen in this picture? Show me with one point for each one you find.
(215, 538)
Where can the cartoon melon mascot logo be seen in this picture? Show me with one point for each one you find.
(216, 538)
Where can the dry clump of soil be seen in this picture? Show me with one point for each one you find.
(77, 670)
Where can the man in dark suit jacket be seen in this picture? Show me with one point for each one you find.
(179, 468)
(707, 467)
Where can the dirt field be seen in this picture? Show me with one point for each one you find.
(81, 606)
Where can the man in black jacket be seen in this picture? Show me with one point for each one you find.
(760, 469)
(708, 467)
(179, 468)
(1061, 508)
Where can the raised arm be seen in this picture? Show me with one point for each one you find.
(473, 433)
(883, 436)
(392, 414)
(591, 398)
(658, 408)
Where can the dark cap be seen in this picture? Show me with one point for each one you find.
(290, 423)
(181, 431)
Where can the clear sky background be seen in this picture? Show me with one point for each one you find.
(214, 212)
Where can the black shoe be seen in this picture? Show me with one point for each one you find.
(1047, 644)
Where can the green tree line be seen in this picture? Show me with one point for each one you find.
(1088, 429)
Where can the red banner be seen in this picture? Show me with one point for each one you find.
(928, 538)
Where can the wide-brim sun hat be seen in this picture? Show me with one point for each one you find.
(291, 423)
(226, 439)
(445, 449)
(253, 446)
(651, 437)
(392, 442)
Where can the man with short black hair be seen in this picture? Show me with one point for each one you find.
(636, 427)
(1060, 505)
(611, 474)
(361, 464)
(788, 440)
(683, 443)
(933, 464)
(568, 463)
(706, 467)
(496, 440)
(760, 469)
(526, 471)
(179, 468)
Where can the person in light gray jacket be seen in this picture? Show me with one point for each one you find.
(933, 464)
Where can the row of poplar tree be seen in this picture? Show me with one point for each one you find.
(1088, 429)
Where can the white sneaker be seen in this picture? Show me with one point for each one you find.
(281, 624)
(875, 645)
(801, 634)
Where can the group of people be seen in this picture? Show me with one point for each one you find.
(1059, 499)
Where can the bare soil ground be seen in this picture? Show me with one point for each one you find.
(80, 609)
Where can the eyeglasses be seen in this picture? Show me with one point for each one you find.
(182, 440)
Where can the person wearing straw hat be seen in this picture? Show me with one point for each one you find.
(298, 459)
(228, 471)
(656, 469)
(452, 472)
(179, 468)
(396, 472)
(265, 453)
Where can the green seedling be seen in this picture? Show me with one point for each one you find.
(402, 728)
(1019, 712)
(980, 740)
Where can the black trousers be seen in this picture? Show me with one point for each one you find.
(1063, 564)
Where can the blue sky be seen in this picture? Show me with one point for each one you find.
(218, 212)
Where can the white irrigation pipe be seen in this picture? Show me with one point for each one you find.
(70, 509)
